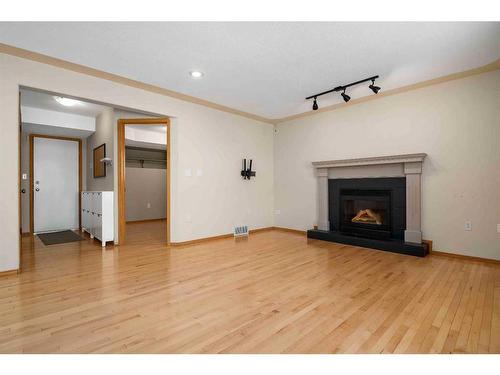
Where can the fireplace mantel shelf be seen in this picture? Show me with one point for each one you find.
(391, 159)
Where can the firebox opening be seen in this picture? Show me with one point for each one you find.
(365, 212)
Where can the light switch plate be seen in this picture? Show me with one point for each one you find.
(199, 172)
(149, 205)
(468, 225)
(187, 172)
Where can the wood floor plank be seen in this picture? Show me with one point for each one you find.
(274, 292)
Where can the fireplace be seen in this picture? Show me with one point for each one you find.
(371, 202)
(368, 207)
(365, 213)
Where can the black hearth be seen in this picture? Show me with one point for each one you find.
(368, 212)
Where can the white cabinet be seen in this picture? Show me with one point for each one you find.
(97, 215)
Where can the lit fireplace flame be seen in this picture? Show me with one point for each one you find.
(368, 216)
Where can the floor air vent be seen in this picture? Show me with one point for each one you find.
(241, 231)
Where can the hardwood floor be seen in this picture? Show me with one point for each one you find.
(276, 292)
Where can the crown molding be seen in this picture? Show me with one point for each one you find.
(44, 59)
(435, 81)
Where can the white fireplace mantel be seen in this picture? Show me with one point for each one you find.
(409, 166)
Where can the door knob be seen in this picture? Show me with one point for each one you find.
(37, 189)
(23, 191)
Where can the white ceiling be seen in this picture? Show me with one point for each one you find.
(265, 68)
(43, 100)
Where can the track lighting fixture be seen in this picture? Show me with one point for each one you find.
(345, 97)
(374, 88)
(342, 89)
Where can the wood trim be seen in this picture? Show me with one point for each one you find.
(144, 221)
(32, 137)
(121, 171)
(44, 59)
(219, 237)
(94, 161)
(9, 273)
(19, 180)
(463, 257)
(32, 230)
(382, 94)
(204, 239)
(290, 230)
(429, 245)
(265, 229)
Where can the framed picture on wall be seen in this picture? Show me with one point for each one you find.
(99, 166)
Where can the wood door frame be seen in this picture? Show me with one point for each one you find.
(32, 197)
(121, 171)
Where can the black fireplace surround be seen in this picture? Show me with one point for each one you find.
(368, 212)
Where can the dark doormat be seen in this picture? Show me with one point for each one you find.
(64, 236)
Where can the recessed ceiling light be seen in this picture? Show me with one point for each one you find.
(196, 74)
(67, 102)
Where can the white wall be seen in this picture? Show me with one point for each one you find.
(202, 139)
(145, 186)
(456, 123)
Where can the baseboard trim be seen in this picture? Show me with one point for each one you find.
(219, 237)
(265, 229)
(9, 273)
(199, 240)
(429, 245)
(464, 257)
(290, 230)
(144, 221)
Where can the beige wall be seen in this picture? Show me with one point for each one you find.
(201, 138)
(145, 186)
(456, 123)
(104, 133)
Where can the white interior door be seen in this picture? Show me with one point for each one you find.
(55, 184)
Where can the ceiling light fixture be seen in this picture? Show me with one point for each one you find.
(315, 105)
(342, 89)
(196, 74)
(67, 102)
(374, 88)
(345, 97)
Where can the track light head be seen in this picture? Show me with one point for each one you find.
(315, 105)
(345, 97)
(374, 88)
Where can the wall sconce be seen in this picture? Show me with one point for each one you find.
(107, 161)
(246, 173)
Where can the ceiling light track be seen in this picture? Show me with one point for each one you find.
(342, 88)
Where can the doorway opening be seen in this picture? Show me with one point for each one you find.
(144, 180)
(47, 122)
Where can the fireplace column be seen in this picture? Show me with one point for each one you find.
(323, 222)
(413, 172)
